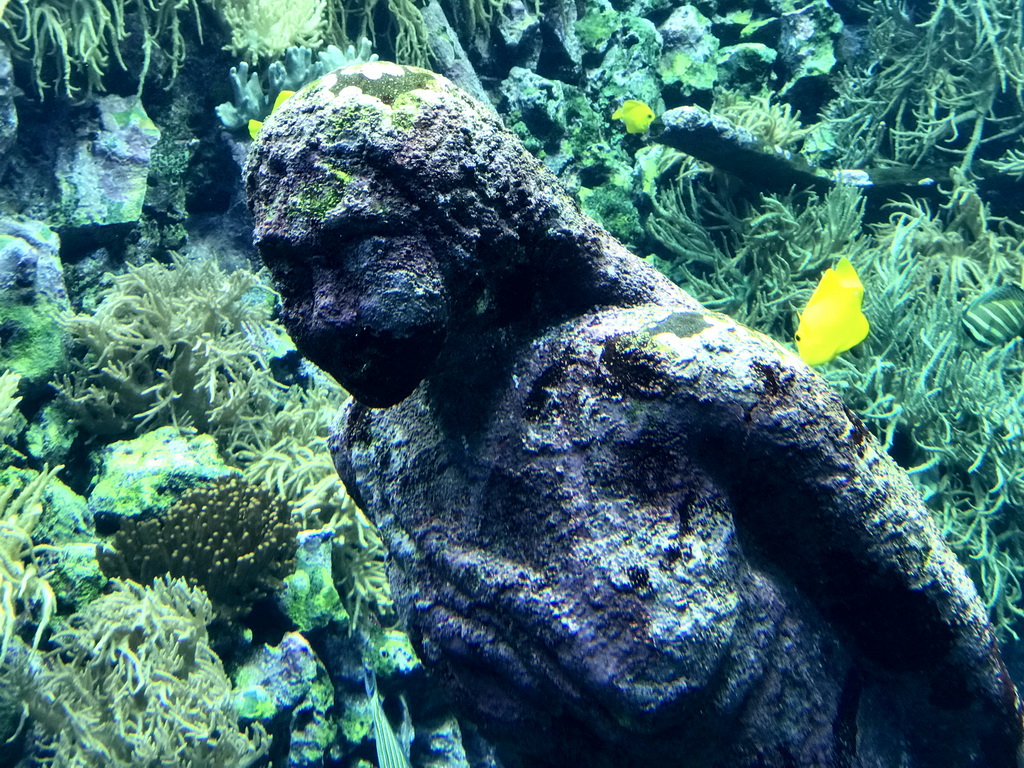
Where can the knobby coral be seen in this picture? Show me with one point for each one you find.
(234, 539)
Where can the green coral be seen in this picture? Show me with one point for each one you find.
(135, 682)
(286, 450)
(71, 44)
(11, 421)
(170, 345)
(267, 28)
(934, 87)
(25, 593)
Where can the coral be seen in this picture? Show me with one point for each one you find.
(183, 345)
(1011, 162)
(939, 82)
(170, 345)
(757, 262)
(70, 44)
(11, 421)
(20, 578)
(133, 681)
(255, 94)
(777, 125)
(267, 28)
(355, 19)
(231, 538)
(286, 450)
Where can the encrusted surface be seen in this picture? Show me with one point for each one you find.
(624, 530)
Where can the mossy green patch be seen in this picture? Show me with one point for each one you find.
(74, 575)
(148, 474)
(51, 434)
(32, 338)
(310, 598)
(611, 206)
(392, 653)
(595, 30)
(355, 720)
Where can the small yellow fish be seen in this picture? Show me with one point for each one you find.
(832, 321)
(255, 125)
(635, 114)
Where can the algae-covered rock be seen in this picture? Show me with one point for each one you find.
(146, 475)
(309, 597)
(32, 300)
(75, 575)
(103, 177)
(623, 530)
(287, 689)
(688, 61)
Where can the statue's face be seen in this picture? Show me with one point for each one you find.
(336, 224)
(362, 294)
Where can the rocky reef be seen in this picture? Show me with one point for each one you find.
(623, 530)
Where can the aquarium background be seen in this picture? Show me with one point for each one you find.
(158, 427)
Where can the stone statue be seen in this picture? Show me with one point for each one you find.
(623, 530)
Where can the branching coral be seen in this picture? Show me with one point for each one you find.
(954, 410)
(287, 450)
(171, 346)
(133, 682)
(233, 539)
(774, 123)
(262, 29)
(20, 579)
(350, 20)
(11, 420)
(72, 42)
(937, 87)
(757, 264)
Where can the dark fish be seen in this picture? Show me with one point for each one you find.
(997, 316)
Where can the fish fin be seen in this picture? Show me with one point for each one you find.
(282, 97)
(854, 333)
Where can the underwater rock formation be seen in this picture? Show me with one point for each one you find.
(624, 530)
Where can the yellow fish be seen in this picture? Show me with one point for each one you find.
(255, 125)
(832, 321)
(635, 114)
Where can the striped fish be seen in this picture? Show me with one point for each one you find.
(997, 316)
(389, 752)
